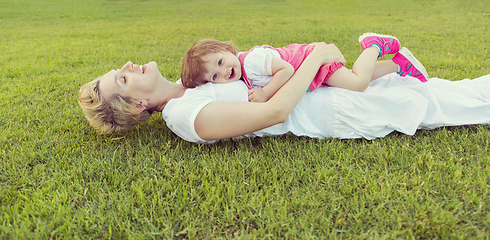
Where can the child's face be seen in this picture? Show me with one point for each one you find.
(222, 67)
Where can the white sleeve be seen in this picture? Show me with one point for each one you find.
(258, 65)
(180, 113)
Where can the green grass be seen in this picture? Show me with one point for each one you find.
(59, 179)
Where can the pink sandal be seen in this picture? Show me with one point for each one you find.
(386, 44)
(409, 65)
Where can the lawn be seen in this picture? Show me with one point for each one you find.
(59, 179)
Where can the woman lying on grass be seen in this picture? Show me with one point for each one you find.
(124, 97)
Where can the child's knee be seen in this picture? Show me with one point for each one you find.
(362, 84)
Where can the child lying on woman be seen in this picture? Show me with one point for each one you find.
(265, 69)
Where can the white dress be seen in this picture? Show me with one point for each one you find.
(391, 103)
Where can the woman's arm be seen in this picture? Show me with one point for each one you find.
(220, 120)
(282, 72)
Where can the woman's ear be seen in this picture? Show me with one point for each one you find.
(141, 105)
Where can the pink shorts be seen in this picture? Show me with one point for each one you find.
(295, 54)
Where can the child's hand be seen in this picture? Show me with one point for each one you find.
(257, 95)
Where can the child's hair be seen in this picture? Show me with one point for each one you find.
(193, 68)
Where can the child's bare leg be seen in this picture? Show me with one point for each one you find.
(384, 67)
(362, 72)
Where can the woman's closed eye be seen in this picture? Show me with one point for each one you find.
(122, 79)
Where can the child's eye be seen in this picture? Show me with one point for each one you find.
(220, 62)
(124, 79)
(215, 76)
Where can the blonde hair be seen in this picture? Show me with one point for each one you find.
(193, 68)
(109, 115)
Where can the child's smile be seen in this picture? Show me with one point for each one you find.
(222, 67)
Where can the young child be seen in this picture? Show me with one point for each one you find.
(265, 69)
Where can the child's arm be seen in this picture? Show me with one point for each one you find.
(282, 72)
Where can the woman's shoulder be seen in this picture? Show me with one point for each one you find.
(191, 96)
(194, 99)
(180, 113)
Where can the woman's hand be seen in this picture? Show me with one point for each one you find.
(326, 53)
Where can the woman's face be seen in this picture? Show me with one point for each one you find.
(134, 81)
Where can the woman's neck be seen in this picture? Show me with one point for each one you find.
(168, 91)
